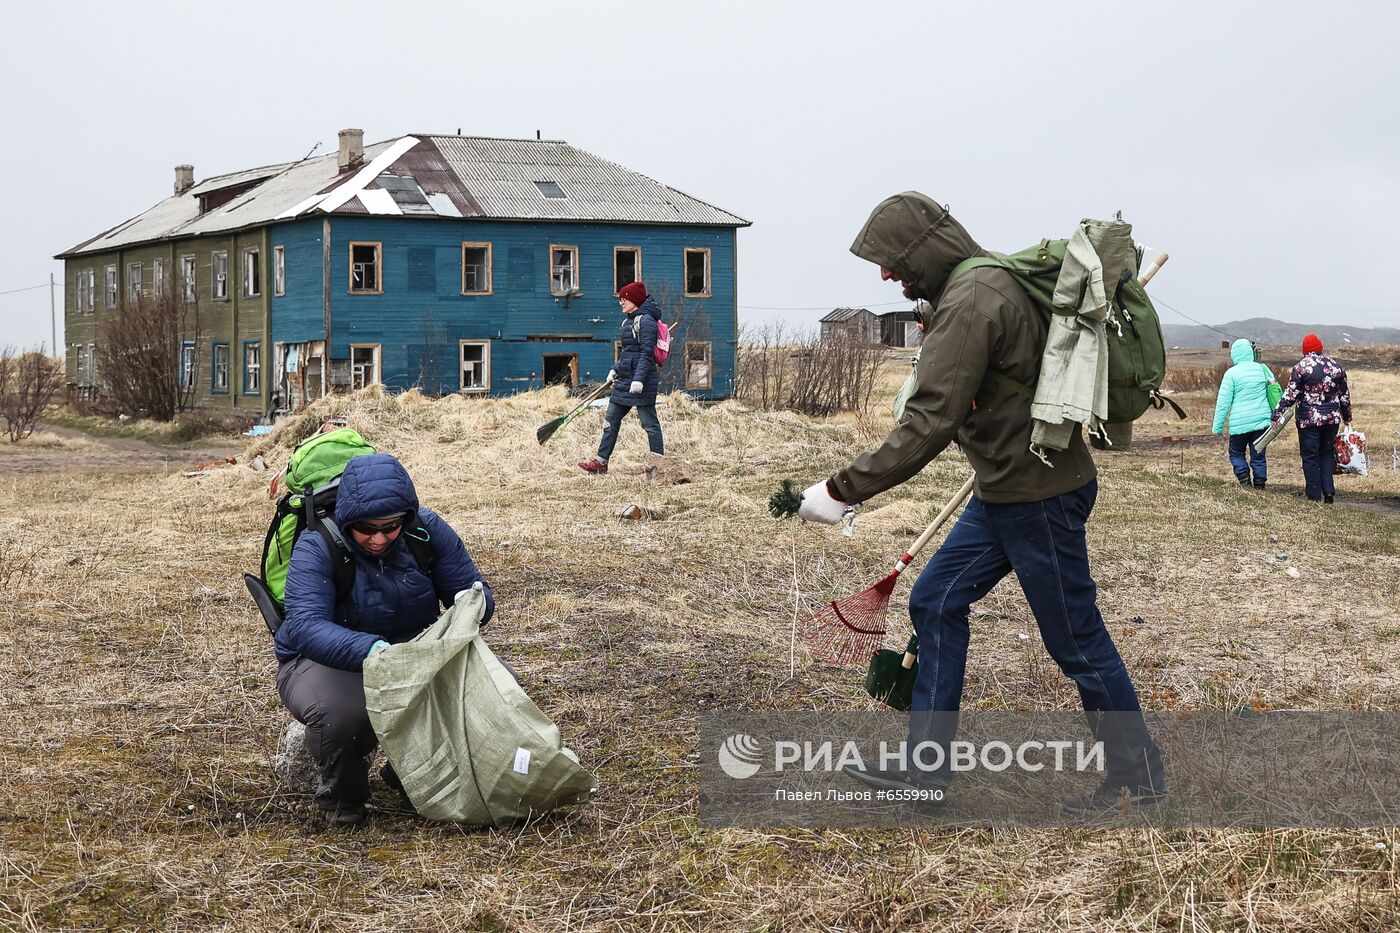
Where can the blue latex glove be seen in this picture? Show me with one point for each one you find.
(377, 646)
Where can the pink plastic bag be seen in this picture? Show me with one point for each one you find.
(1351, 453)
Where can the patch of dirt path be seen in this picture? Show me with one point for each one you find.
(96, 454)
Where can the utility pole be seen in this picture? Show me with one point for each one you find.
(53, 320)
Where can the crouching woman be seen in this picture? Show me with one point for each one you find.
(324, 640)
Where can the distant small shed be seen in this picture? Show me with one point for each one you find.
(857, 325)
(900, 329)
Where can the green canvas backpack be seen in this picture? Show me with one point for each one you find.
(1137, 353)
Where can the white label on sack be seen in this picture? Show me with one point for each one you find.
(522, 761)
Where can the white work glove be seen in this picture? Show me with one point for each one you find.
(612, 375)
(635, 388)
(817, 505)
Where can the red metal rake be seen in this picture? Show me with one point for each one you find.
(851, 629)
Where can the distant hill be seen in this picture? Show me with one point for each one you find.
(1269, 332)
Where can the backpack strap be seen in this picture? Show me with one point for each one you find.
(342, 566)
(420, 545)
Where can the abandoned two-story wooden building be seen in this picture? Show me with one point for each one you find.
(457, 264)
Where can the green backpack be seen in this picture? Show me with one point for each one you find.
(1137, 353)
(312, 479)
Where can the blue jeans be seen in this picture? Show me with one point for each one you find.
(1318, 447)
(614, 415)
(1239, 445)
(1044, 544)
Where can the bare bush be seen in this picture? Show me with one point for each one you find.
(28, 382)
(1198, 379)
(805, 372)
(139, 357)
(687, 320)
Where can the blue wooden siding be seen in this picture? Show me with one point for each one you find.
(421, 314)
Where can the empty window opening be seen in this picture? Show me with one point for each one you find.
(80, 295)
(364, 365)
(698, 373)
(252, 367)
(219, 287)
(476, 365)
(220, 364)
(133, 282)
(364, 267)
(252, 273)
(187, 278)
(279, 271)
(109, 287)
(563, 270)
(697, 273)
(91, 289)
(158, 278)
(561, 369)
(187, 360)
(627, 266)
(476, 268)
(551, 190)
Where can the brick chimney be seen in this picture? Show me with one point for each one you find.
(352, 149)
(184, 179)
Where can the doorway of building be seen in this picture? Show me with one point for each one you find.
(561, 369)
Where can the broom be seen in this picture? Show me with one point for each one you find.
(851, 629)
(546, 431)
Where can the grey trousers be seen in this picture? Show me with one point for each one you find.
(331, 703)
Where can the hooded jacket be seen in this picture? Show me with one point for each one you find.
(982, 323)
(393, 599)
(635, 363)
(1244, 396)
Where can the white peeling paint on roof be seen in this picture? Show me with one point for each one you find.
(379, 201)
(442, 204)
(343, 193)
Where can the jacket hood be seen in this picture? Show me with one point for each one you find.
(1242, 351)
(649, 307)
(915, 238)
(373, 487)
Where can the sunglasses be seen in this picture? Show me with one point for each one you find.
(369, 529)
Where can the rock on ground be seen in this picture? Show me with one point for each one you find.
(292, 761)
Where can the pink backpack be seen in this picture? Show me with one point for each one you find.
(663, 343)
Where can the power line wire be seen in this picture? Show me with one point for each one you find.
(877, 304)
(16, 291)
(1158, 300)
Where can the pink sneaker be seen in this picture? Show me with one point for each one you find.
(593, 466)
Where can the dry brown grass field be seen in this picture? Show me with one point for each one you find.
(138, 711)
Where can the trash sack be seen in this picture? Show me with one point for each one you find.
(1351, 453)
(907, 389)
(465, 740)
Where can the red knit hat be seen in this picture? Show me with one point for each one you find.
(1312, 343)
(634, 292)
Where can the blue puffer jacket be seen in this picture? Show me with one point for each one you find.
(393, 599)
(636, 363)
(1243, 395)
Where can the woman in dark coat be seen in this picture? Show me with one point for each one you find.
(634, 376)
(1318, 386)
(322, 645)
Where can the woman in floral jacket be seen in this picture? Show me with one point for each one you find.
(1318, 386)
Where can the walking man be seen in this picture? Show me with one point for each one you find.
(1026, 515)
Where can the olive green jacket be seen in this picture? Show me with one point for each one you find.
(983, 324)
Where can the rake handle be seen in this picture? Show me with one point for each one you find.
(1157, 262)
(953, 505)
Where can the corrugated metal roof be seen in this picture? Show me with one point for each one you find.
(457, 176)
(844, 314)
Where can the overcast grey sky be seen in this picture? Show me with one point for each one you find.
(1257, 144)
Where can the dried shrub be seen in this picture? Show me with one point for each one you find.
(28, 382)
(807, 373)
(139, 356)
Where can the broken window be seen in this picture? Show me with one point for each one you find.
(364, 268)
(109, 287)
(158, 277)
(697, 365)
(187, 279)
(476, 365)
(91, 288)
(220, 364)
(80, 299)
(92, 364)
(279, 271)
(219, 261)
(476, 268)
(551, 190)
(697, 273)
(627, 266)
(563, 270)
(252, 273)
(133, 282)
(252, 367)
(187, 360)
(364, 365)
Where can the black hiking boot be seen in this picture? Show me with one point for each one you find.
(1110, 798)
(391, 778)
(900, 786)
(346, 815)
(1328, 500)
(1259, 484)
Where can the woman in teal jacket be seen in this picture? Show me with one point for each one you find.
(1244, 400)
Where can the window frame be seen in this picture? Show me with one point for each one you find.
(157, 277)
(185, 377)
(485, 387)
(256, 368)
(255, 254)
(189, 283)
(79, 291)
(279, 270)
(110, 287)
(378, 364)
(91, 290)
(575, 289)
(214, 280)
(709, 346)
(92, 364)
(135, 278)
(378, 269)
(709, 290)
(490, 283)
(626, 249)
(214, 348)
